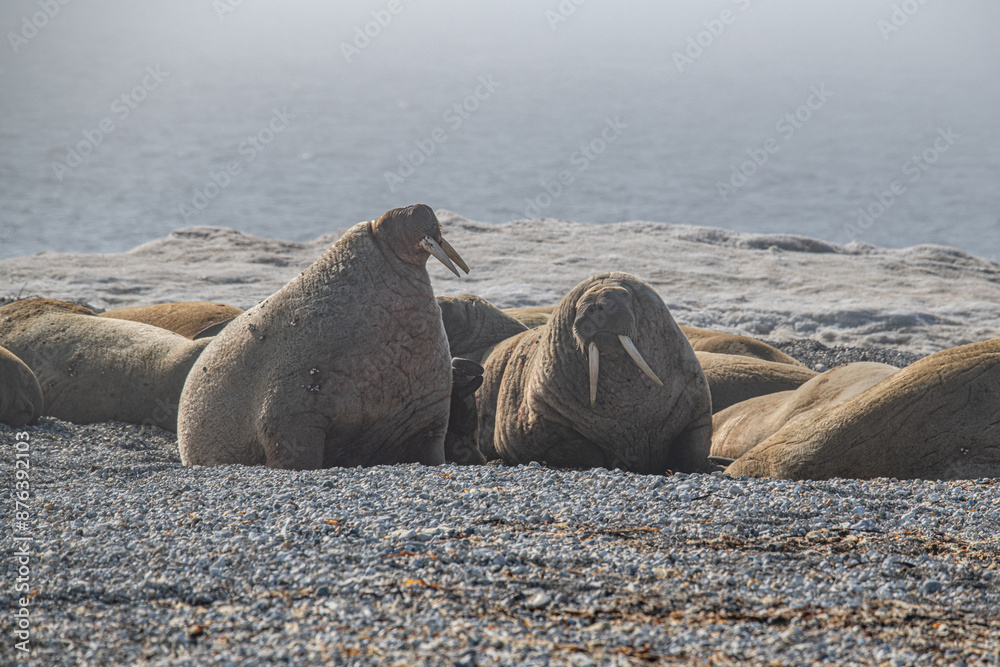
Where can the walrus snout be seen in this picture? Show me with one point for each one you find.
(605, 314)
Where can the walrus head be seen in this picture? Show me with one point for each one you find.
(414, 234)
(604, 319)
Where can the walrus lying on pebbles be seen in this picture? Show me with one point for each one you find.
(610, 381)
(741, 427)
(94, 369)
(938, 418)
(474, 325)
(346, 365)
(20, 396)
(534, 316)
(706, 340)
(187, 318)
(736, 378)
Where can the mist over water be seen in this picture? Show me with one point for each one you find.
(288, 120)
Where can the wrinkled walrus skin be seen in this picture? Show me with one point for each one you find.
(95, 369)
(569, 394)
(21, 399)
(346, 365)
(186, 318)
(741, 427)
(474, 325)
(938, 418)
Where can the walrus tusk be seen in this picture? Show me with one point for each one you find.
(431, 246)
(637, 358)
(595, 361)
(451, 252)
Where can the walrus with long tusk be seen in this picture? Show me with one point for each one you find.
(610, 381)
(346, 365)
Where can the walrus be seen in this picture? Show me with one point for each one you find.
(741, 427)
(474, 325)
(938, 418)
(707, 340)
(94, 369)
(534, 316)
(187, 318)
(610, 381)
(346, 365)
(736, 378)
(21, 399)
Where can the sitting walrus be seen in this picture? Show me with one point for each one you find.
(610, 381)
(187, 318)
(736, 378)
(94, 369)
(706, 340)
(741, 427)
(20, 396)
(346, 365)
(938, 418)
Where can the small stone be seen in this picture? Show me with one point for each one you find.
(538, 600)
(930, 587)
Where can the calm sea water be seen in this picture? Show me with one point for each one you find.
(291, 150)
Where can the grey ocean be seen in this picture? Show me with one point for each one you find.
(119, 124)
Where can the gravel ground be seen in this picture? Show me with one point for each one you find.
(138, 560)
(819, 357)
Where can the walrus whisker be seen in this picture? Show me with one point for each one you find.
(431, 246)
(595, 361)
(637, 358)
(451, 252)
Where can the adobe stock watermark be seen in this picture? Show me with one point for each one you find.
(786, 126)
(581, 160)
(122, 106)
(363, 35)
(249, 148)
(714, 29)
(900, 16)
(223, 7)
(913, 169)
(457, 114)
(22, 538)
(37, 21)
(562, 12)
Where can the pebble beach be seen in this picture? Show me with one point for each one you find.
(135, 559)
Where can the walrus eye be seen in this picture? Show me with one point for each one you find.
(431, 246)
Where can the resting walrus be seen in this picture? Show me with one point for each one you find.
(21, 399)
(735, 378)
(741, 427)
(610, 381)
(346, 365)
(938, 418)
(94, 369)
(187, 318)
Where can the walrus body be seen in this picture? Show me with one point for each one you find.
(346, 365)
(93, 369)
(531, 317)
(736, 378)
(707, 340)
(741, 427)
(187, 318)
(585, 390)
(938, 418)
(21, 399)
(474, 325)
